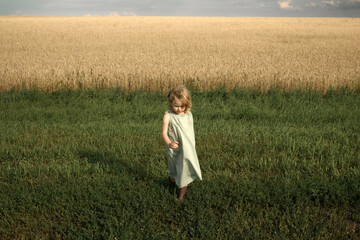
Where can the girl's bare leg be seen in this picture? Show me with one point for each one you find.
(182, 192)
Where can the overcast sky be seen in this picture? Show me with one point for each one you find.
(230, 8)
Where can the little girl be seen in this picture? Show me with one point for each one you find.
(179, 138)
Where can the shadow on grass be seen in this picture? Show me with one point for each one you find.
(138, 171)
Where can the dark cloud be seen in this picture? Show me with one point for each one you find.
(350, 5)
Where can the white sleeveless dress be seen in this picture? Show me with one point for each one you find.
(183, 162)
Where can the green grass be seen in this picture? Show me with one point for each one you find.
(91, 164)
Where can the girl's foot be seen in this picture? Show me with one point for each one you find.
(182, 192)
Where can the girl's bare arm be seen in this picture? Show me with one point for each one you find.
(165, 128)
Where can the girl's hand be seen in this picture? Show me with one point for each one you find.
(173, 145)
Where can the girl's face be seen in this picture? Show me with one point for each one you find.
(178, 107)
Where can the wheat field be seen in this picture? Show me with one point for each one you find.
(156, 53)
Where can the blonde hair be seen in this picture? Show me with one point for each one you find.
(182, 94)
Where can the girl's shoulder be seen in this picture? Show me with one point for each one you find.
(172, 113)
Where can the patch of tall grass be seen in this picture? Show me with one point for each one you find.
(155, 53)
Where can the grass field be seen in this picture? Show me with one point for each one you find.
(90, 164)
(277, 124)
(155, 53)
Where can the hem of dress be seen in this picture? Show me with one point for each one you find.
(187, 182)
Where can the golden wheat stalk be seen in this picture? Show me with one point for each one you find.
(156, 53)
